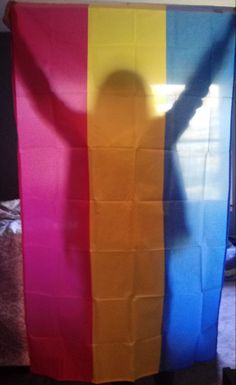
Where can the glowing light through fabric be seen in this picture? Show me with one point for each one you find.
(123, 117)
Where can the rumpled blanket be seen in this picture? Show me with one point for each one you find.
(13, 345)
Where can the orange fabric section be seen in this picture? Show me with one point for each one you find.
(126, 65)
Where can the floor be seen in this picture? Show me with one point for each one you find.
(200, 374)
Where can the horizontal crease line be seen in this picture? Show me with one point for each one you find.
(129, 343)
(128, 298)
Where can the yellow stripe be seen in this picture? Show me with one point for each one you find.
(126, 62)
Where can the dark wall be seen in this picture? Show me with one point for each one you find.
(8, 136)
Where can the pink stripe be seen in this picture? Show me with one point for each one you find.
(50, 73)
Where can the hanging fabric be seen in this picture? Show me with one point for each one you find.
(123, 117)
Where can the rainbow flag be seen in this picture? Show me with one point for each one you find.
(123, 117)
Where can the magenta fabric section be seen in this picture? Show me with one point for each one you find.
(50, 81)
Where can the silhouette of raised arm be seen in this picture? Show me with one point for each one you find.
(67, 118)
(191, 98)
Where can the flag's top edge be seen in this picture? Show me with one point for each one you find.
(144, 3)
(150, 4)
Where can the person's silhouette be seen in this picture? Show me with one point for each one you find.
(177, 118)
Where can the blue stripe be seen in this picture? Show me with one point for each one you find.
(200, 53)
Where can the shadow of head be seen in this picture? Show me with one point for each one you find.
(119, 97)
